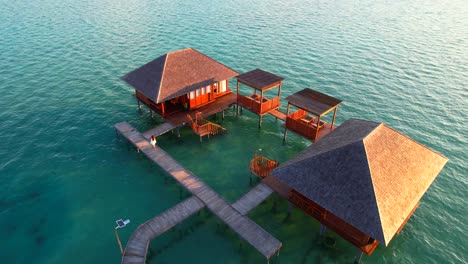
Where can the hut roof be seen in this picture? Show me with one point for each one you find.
(177, 73)
(314, 102)
(260, 79)
(366, 173)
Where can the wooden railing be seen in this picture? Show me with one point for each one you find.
(297, 122)
(253, 103)
(262, 166)
(203, 127)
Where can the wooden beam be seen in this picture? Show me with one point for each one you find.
(163, 108)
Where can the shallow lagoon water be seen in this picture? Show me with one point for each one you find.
(66, 176)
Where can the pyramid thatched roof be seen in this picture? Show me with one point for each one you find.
(177, 73)
(366, 173)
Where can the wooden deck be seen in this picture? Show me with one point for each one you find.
(256, 236)
(220, 104)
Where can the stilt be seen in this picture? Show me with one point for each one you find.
(357, 260)
(259, 121)
(178, 131)
(285, 134)
(323, 228)
(151, 113)
(139, 104)
(222, 116)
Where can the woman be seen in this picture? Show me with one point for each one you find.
(153, 141)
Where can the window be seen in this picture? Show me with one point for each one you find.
(222, 86)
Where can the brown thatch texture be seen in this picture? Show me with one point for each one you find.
(177, 73)
(260, 79)
(366, 173)
(312, 101)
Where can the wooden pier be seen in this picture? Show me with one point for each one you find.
(233, 216)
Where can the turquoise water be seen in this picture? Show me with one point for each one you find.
(66, 176)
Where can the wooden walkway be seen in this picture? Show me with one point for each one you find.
(159, 130)
(256, 236)
(137, 245)
(278, 114)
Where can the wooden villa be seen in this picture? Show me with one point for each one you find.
(363, 181)
(261, 81)
(310, 106)
(181, 83)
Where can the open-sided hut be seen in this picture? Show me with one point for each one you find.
(180, 80)
(363, 181)
(311, 107)
(261, 81)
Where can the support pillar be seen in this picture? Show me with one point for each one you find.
(358, 257)
(151, 113)
(259, 121)
(237, 99)
(222, 115)
(323, 228)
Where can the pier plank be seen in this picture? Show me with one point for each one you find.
(203, 195)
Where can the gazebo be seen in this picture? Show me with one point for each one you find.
(180, 80)
(261, 81)
(307, 119)
(363, 181)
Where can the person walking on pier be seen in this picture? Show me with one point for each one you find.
(153, 141)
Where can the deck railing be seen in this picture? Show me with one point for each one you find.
(262, 166)
(303, 124)
(253, 103)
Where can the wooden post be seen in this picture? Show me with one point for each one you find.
(279, 90)
(286, 124)
(222, 116)
(118, 240)
(139, 104)
(334, 115)
(357, 260)
(259, 121)
(237, 99)
(163, 108)
(151, 113)
(317, 128)
(323, 228)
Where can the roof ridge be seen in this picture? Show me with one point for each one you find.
(162, 76)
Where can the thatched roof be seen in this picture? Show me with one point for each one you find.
(260, 79)
(177, 73)
(313, 102)
(366, 173)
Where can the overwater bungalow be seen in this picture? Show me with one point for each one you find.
(183, 87)
(180, 81)
(306, 120)
(258, 102)
(363, 181)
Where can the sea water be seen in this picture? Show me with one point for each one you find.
(65, 176)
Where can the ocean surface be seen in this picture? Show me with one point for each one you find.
(65, 177)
